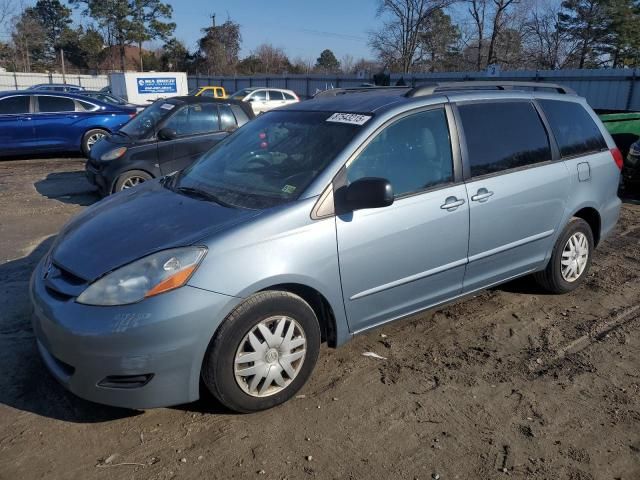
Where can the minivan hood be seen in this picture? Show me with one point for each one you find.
(135, 223)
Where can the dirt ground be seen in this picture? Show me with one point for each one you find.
(512, 383)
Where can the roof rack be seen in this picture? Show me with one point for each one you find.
(334, 92)
(430, 89)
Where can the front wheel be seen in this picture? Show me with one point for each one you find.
(131, 179)
(570, 260)
(263, 353)
(90, 138)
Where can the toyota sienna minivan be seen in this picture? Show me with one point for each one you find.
(316, 222)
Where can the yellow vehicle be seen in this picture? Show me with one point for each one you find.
(213, 92)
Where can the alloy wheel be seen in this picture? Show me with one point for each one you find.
(91, 141)
(132, 182)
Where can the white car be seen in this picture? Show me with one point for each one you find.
(264, 99)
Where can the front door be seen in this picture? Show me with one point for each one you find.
(517, 192)
(198, 129)
(410, 255)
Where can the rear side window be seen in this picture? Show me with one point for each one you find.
(503, 135)
(14, 105)
(55, 104)
(288, 96)
(574, 129)
(275, 95)
(413, 153)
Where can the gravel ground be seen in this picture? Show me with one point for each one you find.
(510, 383)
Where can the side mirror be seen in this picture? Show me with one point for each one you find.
(167, 134)
(368, 192)
(252, 99)
(231, 129)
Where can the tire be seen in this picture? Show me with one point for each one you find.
(91, 137)
(131, 179)
(552, 278)
(223, 376)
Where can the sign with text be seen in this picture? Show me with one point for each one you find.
(157, 85)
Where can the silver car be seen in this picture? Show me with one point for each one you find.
(316, 222)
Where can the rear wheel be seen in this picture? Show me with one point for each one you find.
(131, 179)
(263, 353)
(570, 260)
(90, 138)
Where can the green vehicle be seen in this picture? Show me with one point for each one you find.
(624, 127)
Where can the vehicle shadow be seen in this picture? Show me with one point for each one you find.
(68, 187)
(26, 385)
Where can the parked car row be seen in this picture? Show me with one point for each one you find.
(167, 136)
(311, 223)
(41, 121)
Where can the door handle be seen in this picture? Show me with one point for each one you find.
(451, 204)
(482, 195)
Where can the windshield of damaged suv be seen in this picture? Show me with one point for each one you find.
(269, 161)
(145, 122)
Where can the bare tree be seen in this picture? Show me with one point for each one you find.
(499, 13)
(346, 63)
(478, 12)
(398, 41)
(549, 47)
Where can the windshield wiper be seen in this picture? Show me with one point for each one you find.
(197, 193)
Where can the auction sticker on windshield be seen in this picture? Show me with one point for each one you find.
(167, 106)
(350, 118)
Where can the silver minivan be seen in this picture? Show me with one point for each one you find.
(313, 223)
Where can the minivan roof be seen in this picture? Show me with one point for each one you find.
(377, 99)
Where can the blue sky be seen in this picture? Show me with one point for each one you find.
(302, 28)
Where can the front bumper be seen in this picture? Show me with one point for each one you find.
(163, 337)
(95, 177)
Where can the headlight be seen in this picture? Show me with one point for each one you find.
(149, 276)
(113, 154)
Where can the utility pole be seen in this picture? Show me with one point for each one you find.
(213, 20)
(64, 77)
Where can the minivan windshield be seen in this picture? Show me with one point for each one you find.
(142, 124)
(269, 161)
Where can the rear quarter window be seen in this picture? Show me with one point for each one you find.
(574, 129)
(503, 135)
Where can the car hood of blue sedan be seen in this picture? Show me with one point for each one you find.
(135, 223)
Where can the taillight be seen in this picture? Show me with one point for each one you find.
(617, 157)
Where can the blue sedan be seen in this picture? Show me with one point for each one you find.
(34, 122)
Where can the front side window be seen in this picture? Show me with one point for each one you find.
(14, 105)
(275, 95)
(574, 129)
(269, 161)
(195, 119)
(55, 104)
(259, 96)
(207, 93)
(413, 153)
(503, 135)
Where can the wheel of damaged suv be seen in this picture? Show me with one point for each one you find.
(263, 352)
(131, 179)
(90, 138)
(570, 260)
